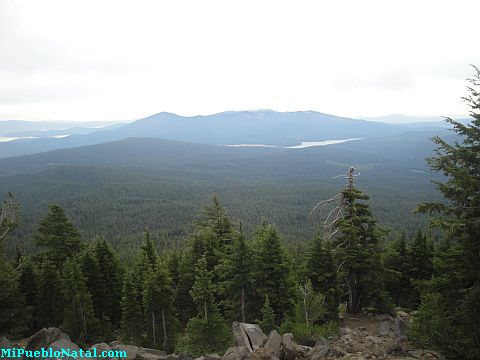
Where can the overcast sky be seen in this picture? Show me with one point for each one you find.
(116, 60)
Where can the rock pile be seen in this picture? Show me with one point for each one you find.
(381, 337)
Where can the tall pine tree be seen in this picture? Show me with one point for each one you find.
(272, 273)
(358, 255)
(79, 316)
(58, 236)
(449, 303)
(132, 314)
(321, 270)
(207, 332)
(159, 300)
(237, 282)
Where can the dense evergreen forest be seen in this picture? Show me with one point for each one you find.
(185, 298)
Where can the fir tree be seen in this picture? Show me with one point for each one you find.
(14, 319)
(28, 285)
(79, 316)
(183, 300)
(420, 267)
(203, 289)
(207, 332)
(109, 305)
(268, 319)
(272, 272)
(50, 302)
(320, 269)
(58, 235)
(449, 301)
(9, 217)
(132, 314)
(236, 275)
(158, 300)
(358, 255)
(397, 277)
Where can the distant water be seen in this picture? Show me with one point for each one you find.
(303, 145)
(7, 139)
(320, 143)
(251, 145)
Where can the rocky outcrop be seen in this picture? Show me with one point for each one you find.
(130, 350)
(5, 343)
(236, 353)
(63, 344)
(274, 344)
(250, 336)
(45, 337)
(50, 338)
(401, 325)
(150, 354)
(100, 347)
(360, 338)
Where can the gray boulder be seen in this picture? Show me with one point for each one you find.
(319, 351)
(401, 326)
(249, 335)
(263, 354)
(150, 354)
(212, 357)
(384, 328)
(5, 343)
(274, 344)
(236, 353)
(291, 349)
(130, 350)
(100, 348)
(62, 345)
(240, 336)
(45, 337)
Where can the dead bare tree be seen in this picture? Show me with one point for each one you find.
(340, 202)
(9, 216)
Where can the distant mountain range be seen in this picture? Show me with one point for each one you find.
(242, 127)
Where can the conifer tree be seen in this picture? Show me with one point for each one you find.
(58, 236)
(320, 269)
(397, 277)
(132, 314)
(272, 272)
(237, 283)
(449, 301)
(79, 316)
(268, 318)
(109, 305)
(158, 300)
(358, 254)
(9, 217)
(420, 267)
(207, 332)
(50, 302)
(203, 289)
(183, 300)
(28, 285)
(145, 262)
(93, 279)
(13, 318)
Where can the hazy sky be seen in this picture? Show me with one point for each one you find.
(115, 60)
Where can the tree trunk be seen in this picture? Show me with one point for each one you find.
(353, 298)
(205, 310)
(242, 300)
(153, 330)
(305, 303)
(164, 324)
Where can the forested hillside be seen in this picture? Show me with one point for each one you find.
(119, 189)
